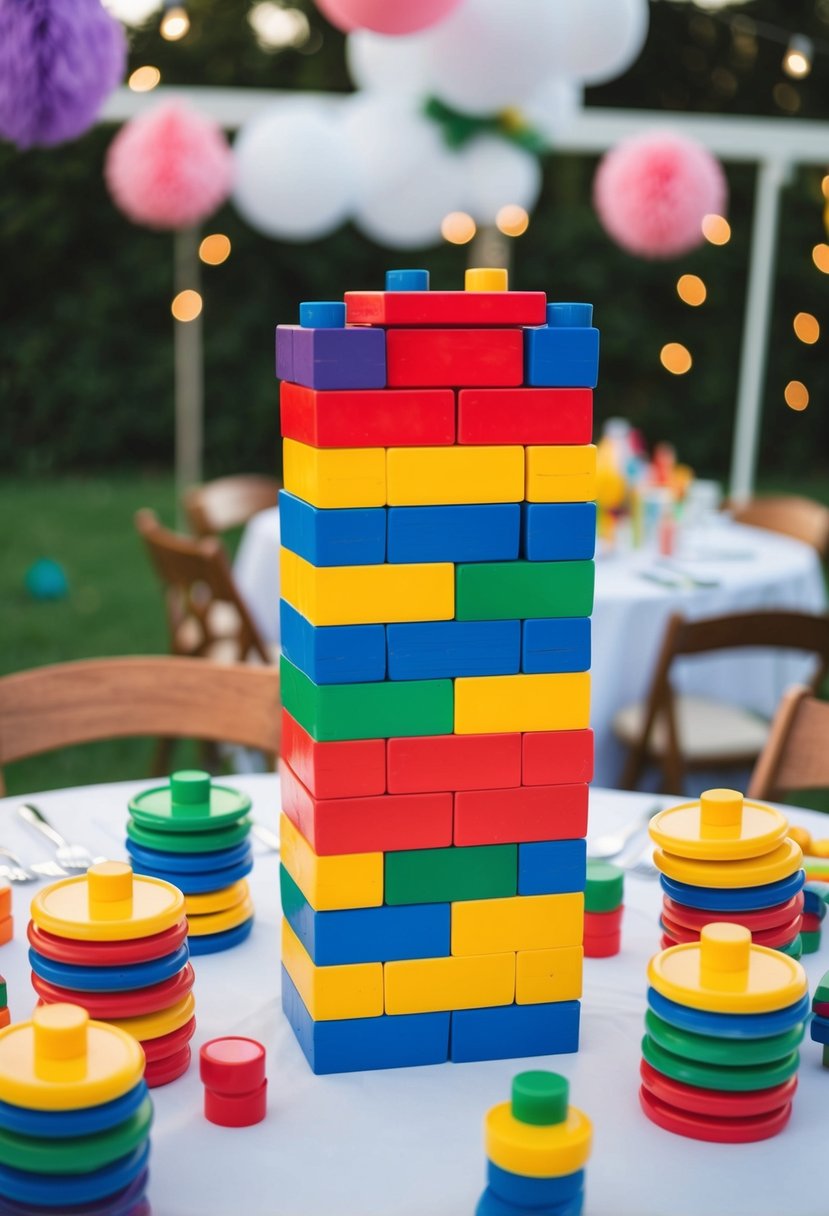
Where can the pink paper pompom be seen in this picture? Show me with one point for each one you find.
(651, 193)
(169, 168)
(384, 17)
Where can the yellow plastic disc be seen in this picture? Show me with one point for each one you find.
(722, 826)
(218, 922)
(752, 872)
(801, 836)
(108, 903)
(216, 901)
(724, 973)
(154, 1025)
(547, 1151)
(63, 1061)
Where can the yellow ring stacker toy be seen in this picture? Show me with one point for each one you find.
(154, 1025)
(63, 1061)
(219, 922)
(108, 903)
(780, 863)
(216, 901)
(722, 826)
(537, 1134)
(724, 973)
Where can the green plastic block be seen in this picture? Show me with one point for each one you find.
(605, 887)
(810, 940)
(431, 876)
(367, 711)
(500, 591)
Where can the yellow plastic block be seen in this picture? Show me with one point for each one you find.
(548, 975)
(335, 477)
(486, 278)
(502, 704)
(537, 1151)
(349, 880)
(561, 474)
(449, 475)
(362, 595)
(426, 985)
(522, 922)
(354, 990)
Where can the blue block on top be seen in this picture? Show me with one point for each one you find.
(564, 353)
(339, 357)
(359, 1044)
(333, 654)
(556, 644)
(354, 536)
(433, 650)
(552, 867)
(526, 1192)
(491, 1204)
(484, 532)
(558, 531)
(819, 1030)
(514, 1030)
(407, 280)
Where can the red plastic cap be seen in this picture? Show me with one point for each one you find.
(602, 947)
(236, 1110)
(232, 1065)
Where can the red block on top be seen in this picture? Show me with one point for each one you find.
(445, 308)
(426, 358)
(453, 762)
(525, 415)
(366, 418)
(530, 812)
(334, 770)
(555, 757)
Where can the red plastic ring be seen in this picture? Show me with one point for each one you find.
(167, 1044)
(162, 1072)
(130, 1004)
(107, 954)
(602, 947)
(603, 924)
(723, 1104)
(715, 1130)
(760, 918)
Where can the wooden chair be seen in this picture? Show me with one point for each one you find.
(683, 732)
(796, 755)
(228, 502)
(48, 708)
(802, 518)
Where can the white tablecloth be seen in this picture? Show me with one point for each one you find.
(753, 569)
(409, 1142)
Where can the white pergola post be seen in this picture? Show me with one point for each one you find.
(189, 371)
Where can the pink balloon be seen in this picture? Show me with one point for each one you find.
(652, 191)
(386, 16)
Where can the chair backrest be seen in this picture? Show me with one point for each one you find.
(796, 755)
(197, 577)
(48, 708)
(228, 502)
(802, 518)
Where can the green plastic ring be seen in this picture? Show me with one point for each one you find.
(729, 1080)
(80, 1154)
(189, 842)
(708, 1049)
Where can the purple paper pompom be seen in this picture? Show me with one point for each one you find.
(59, 60)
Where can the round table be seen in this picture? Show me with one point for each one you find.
(408, 1142)
(749, 568)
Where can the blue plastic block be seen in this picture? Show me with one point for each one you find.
(729, 1025)
(533, 1192)
(556, 644)
(407, 280)
(349, 357)
(366, 935)
(564, 353)
(485, 532)
(552, 867)
(333, 654)
(820, 1029)
(733, 899)
(491, 1204)
(359, 1044)
(510, 1031)
(558, 531)
(322, 314)
(285, 352)
(431, 650)
(355, 536)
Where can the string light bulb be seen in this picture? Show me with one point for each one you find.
(691, 290)
(797, 61)
(215, 249)
(675, 358)
(143, 79)
(175, 23)
(820, 257)
(716, 229)
(512, 220)
(796, 395)
(807, 328)
(458, 228)
(186, 306)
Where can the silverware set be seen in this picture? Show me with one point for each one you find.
(629, 847)
(69, 858)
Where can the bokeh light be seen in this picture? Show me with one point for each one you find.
(186, 306)
(175, 23)
(675, 358)
(820, 257)
(143, 79)
(458, 228)
(716, 229)
(806, 327)
(512, 220)
(796, 395)
(215, 249)
(691, 289)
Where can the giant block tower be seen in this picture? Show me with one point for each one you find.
(438, 532)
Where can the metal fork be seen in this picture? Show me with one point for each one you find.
(15, 871)
(70, 856)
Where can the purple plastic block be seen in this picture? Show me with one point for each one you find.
(352, 357)
(285, 351)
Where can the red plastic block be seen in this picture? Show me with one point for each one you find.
(445, 308)
(537, 812)
(603, 924)
(453, 762)
(525, 415)
(366, 418)
(334, 770)
(424, 358)
(557, 757)
(366, 825)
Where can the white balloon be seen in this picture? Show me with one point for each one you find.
(552, 107)
(497, 173)
(387, 64)
(293, 174)
(598, 40)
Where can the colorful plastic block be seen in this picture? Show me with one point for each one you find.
(493, 591)
(365, 595)
(550, 867)
(523, 922)
(335, 770)
(331, 358)
(389, 308)
(558, 531)
(565, 352)
(433, 650)
(349, 537)
(453, 762)
(232, 1071)
(515, 1030)
(354, 990)
(335, 477)
(460, 358)
(332, 654)
(431, 984)
(527, 813)
(477, 532)
(368, 711)
(526, 703)
(331, 883)
(548, 975)
(367, 418)
(555, 757)
(525, 415)
(285, 351)
(560, 474)
(407, 280)
(558, 644)
(439, 476)
(447, 875)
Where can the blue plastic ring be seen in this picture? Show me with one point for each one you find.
(200, 884)
(110, 979)
(62, 1190)
(66, 1124)
(189, 863)
(490, 1205)
(128, 1202)
(733, 899)
(728, 1025)
(525, 1192)
(214, 943)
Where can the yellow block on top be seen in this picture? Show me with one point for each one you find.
(520, 922)
(335, 477)
(486, 278)
(561, 474)
(363, 595)
(348, 880)
(449, 475)
(548, 975)
(502, 704)
(426, 985)
(353, 990)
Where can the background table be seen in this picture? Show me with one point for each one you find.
(752, 568)
(408, 1142)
